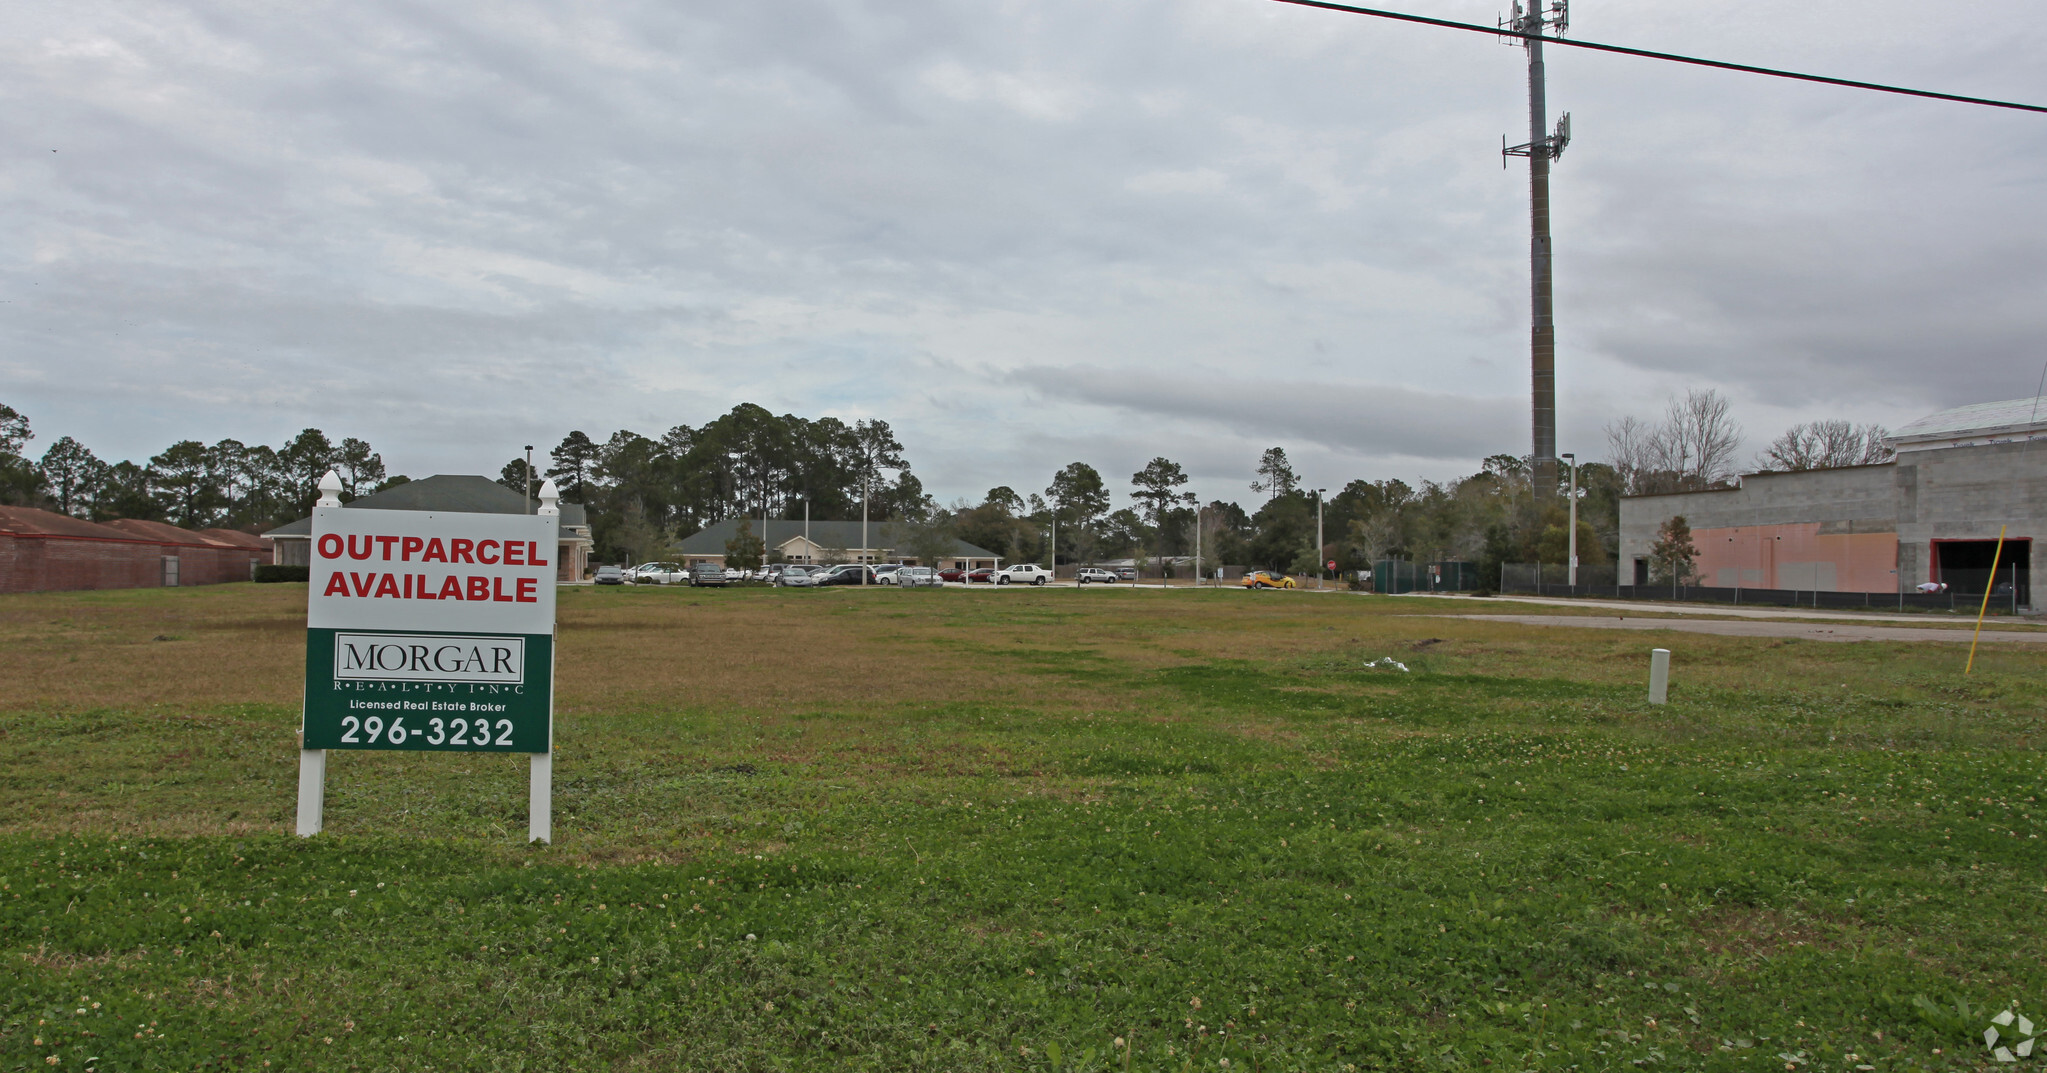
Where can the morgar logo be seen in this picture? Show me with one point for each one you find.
(399, 657)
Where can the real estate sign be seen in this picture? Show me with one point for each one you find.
(430, 630)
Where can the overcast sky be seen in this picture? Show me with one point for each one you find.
(1025, 233)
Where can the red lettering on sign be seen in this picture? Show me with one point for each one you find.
(434, 552)
(369, 544)
(497, 590)
(423, 594)
(523, 588)
(489, 547)
(337, 584)
(387, 541)
(409, 547)
(330, 547)
(363, 583)
(458, 549)
(451, 589)
(408, 587)
(533, 555)
(479, 588)
(388, 586)
(515, 553)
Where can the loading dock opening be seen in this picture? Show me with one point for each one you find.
(1965, 566)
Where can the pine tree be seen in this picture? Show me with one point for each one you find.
(1672, 559)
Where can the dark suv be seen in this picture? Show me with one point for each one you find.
(706, 574)
(850, 574)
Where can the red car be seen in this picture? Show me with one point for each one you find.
(985, 575)
(954, 574)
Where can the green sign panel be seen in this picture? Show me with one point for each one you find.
(386, 689)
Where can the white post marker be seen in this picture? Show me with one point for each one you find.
(1659, 675)
(429, 631)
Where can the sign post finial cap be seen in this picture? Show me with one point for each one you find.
(549, 496)
(330, 490)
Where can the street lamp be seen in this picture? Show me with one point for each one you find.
(1571, 571)
(529, 478)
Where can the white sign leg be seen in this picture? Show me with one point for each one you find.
(540, 808)
(312, 790)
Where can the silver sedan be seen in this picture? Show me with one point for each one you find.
(915, 576)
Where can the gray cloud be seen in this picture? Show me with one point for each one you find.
(1362, 420)
(460, 227)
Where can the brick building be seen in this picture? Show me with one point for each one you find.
(41, 551)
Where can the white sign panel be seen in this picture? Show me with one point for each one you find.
(434, 571)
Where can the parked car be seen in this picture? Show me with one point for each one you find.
(706, 574)
(1127, 573)
(1022, 574)
(1094, 575)
(1265, 579)
(952, 573)
(849, 574)
(917, 576)
(609, 575)
(733, 573)
(885, 574)
(788, 574)
(984, 574)
(657, 574)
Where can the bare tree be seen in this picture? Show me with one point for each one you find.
(1632, 451)
(1825, 445)
(1691, 449)
(1701, 438)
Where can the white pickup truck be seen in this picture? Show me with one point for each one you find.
(1022, 574)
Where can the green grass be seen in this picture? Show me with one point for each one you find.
(1004, 831)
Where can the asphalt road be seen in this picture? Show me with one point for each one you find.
(1809, 631)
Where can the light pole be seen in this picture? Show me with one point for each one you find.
(1197, 544)
(865, 569)
(529, 478)
(1571, 572)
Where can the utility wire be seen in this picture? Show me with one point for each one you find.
(1499, 31)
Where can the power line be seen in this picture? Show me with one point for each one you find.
(1695, 61)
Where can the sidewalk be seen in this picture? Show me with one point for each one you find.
(1931, 619)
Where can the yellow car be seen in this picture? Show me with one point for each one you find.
(1261, 579)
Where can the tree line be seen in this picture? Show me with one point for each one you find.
(229, 484)
(643, 494)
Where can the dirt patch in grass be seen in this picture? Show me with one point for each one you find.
(1757, 933)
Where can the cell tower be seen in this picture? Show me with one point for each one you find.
(1542, 147)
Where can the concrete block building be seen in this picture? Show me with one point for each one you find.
(1933, 514)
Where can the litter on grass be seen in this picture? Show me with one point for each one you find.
(1389, 661)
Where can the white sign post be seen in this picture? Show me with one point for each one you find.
(430, 630)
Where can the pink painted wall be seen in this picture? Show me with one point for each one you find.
(1797, 557)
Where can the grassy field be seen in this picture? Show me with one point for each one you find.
(1072, 830)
